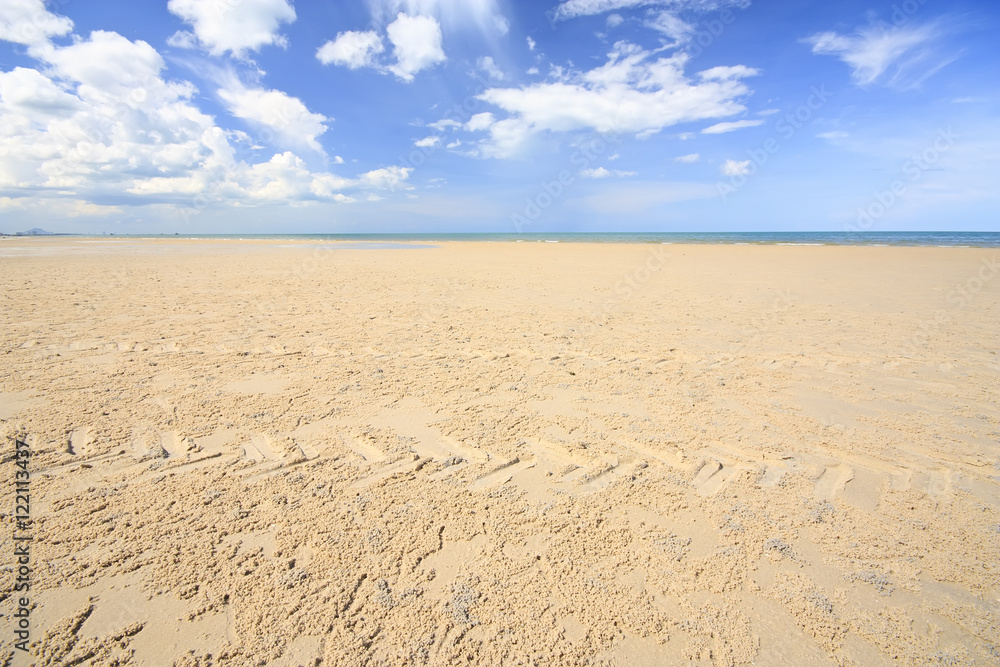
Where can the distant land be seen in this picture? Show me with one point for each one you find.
(35, 231)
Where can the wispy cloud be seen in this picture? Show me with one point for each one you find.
(732, 126)
(574, 8)
(899, 56)
(601, 172)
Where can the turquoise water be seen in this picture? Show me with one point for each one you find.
(939, 239)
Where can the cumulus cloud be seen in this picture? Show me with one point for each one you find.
(292, 123)
(732, 126)
(735, 168)
(872, 51)
(416, 42)
(632, 93)
(29, 22)
(428, 142)
(388, 178)
(97, 125)
(352, 49)
(236, 27)
(690, 158)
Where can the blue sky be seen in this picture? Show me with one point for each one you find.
(258, 116)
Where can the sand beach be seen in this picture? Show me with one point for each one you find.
(269, 452)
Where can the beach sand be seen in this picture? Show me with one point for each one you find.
(289, 453)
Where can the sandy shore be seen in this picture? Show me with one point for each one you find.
(286, 453)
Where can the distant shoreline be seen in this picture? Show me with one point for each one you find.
(917, 239)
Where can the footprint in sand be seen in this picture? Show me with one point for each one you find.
(832, 481)
(173, 444)
(80, 442)
(147, 445)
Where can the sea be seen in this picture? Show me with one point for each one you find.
(928, 239)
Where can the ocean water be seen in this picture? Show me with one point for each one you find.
(931, 239)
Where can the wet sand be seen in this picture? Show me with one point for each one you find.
(288, 453)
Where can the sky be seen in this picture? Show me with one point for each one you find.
(367, 116)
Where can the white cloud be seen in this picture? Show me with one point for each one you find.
(871, 51)
(631, 93)
(444, 124)
(601, 172)
(484, 15)
(615, 20)
(480, 121)
(428, 142)
(29, 22)
(768, 112)
(35, 95)
(98, 123)
(489, 66)
(722, 128)
(389, 178)
(501, 24)
(672, 26)
(690, 158)
(734, 168)
(531, 44)
(415, 29)
(416, 42)
(575, 8)
(352, 49)
(293, 124)
(237, 27)
(833, 136)
(183, 39)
